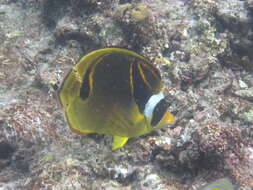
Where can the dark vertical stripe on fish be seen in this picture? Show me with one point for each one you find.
(141, 90)
(85, 88)
(159, 111)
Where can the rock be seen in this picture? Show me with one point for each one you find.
(189, 155)
(123, 175)
(151, 181)
(245, 94)
(220, 81)
(7, 148)
(235, 20)
(194, 70)
(249, 3)
(248, 78)
(247, 116)
(130, 13)
(134, 20)
(66, 29)
(242, 84)
(232, 13)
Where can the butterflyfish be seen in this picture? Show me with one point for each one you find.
(115, 92)
(220, 184)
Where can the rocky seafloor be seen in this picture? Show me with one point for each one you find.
(204, 49)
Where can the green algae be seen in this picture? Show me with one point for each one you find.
(136, 12)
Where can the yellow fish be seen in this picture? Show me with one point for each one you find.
(220, 184)
(115, 92)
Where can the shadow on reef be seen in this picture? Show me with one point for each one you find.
(188, 162)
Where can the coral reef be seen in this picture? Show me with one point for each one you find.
(204, 51)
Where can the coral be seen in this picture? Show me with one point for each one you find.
(6, 149)
(135, 21)
(247, 116)
(27, 122)
(220, 81)
(239, 32)
(215, 138)
(204, 51)
(129, 13)
(249, 3)
(191, 72)
(246, 94)
(226, 145)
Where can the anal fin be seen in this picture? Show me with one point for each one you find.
(118, 142)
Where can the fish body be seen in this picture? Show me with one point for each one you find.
(115, 92)
(220, 184)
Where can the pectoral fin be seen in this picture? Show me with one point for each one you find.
(118, 142)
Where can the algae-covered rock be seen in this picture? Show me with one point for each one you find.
(190, 72)
(232, 14)
(246, 93)
(220, 81)
(204, 51)
(6, 151)
(248, 116)
(132, 13)
(249, 3)
(135, 23)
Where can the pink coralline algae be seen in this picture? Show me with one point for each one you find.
(229, 145)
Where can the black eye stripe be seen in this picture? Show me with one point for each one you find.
(159, 111)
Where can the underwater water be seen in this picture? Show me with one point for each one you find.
(201, 48)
